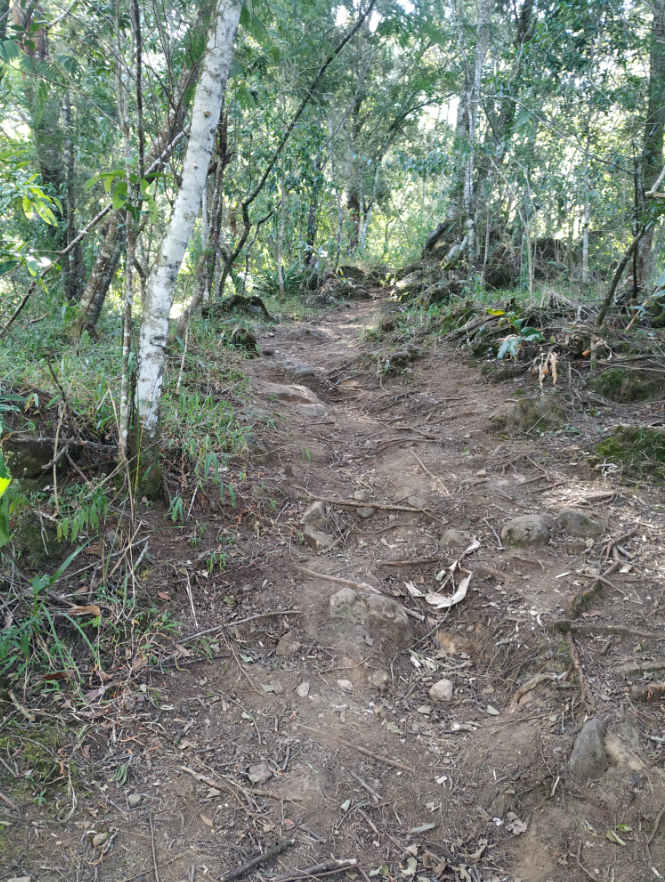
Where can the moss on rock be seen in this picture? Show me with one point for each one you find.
(639, 450)
(625, 385)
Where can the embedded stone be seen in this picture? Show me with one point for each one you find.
(365, 512)
(581, 524)
(525, 531)
(260, 773)
(453, 539)
(589, 758)
(442, 691)
(286, 647)
(320, 541)
(315, 515)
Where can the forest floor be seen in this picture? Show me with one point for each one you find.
(352, 758)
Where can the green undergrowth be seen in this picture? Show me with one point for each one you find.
(639, 451)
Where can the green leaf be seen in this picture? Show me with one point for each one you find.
(612, 836)
(7, 266)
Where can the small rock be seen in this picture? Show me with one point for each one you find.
(134, 800)
(260, 773)
(453, 539)
(296, 369)
(579, 523)
(589, 758)
(268, 351)
(528, 530)
(346, 685)
(380, 679)
(387, 324)
(312, 410)
(315, 515)
(442, 691)
(417, 501)
(365, 512)
(286, 647)
(20, 879)
(320, 541)
(99, 839)
(362, 495)
(255, 447)
(303, 690)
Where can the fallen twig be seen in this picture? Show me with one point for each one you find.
(354, 503)
(656, 825)
(375, 796)
(607, 551)
(408, 563)
(281, 612)
(152, 843)
(350, 744)
(581, 865)
(266, 856)
(334, 865)
(585, 690)
(427, 471)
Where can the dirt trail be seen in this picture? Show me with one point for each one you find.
(351, 756)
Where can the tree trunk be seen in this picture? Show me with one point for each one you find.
(652, 153)
(72, 267)
(280, 236)
(208, 102)
(98, 282)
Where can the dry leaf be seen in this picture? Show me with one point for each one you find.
(92, 610)
(413, 591)
(94, 549)
(441, 602)
(163, 595)
(206, 821)
(184, 653)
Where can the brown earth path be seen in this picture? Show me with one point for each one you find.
(361, 763)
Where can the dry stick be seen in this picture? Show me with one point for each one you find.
(585, 691)
(266, 856)
(612, 544)
(656, 824)
(334, 865)
(152, 842)
(358, 586)
(607, 302)
(12, 805)
(427, 471)
(383, 506)
(408, 563)
(363, 750)
(375, 796)
(281, 612)
(581, 865)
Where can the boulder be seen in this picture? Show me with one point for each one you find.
(315, 515)
(320, 541)
(535, 413)
(589, 758)
(442, 691)
(525, 531)
(380, 617)
(293, 393)
(581, 524)
(27, 455)
(453, 539)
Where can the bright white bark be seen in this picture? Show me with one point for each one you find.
(472, 98)
(206, 111)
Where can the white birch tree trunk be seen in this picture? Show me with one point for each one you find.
(208, 101)
(485, 8)
(587, 210)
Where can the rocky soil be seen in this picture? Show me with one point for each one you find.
(436, 647)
